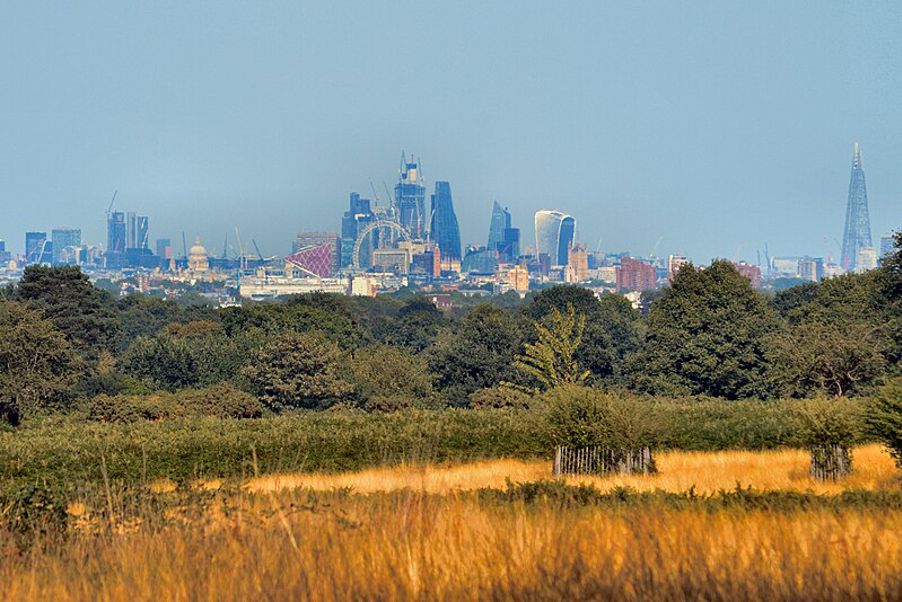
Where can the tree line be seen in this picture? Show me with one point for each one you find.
(65, 342)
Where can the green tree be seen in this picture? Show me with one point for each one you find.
(84, 314)
(298, 370)
(477, 352)
(884, 418)
(417, 325)
(389, 379)
(836, 359)
(707, 335)
(37, 364)
(551, 359)
(613, 328)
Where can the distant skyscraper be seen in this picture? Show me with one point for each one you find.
(887, 245)
(444, 229)
(410, 199)
(35, 246)
(66, 242)
(115, 233)
(501, 219)
(857, 232)
(136, 233)
(358, 216)
(502, 236)
(554, 235)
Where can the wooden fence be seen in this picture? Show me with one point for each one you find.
(830, 462)
(599, 460)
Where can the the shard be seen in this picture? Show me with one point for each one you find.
(857, 233)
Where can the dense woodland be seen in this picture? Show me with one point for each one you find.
(67, 346)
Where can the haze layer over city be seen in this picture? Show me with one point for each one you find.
(713, 128)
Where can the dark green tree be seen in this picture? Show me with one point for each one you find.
(613, 328)
(298, 370)
(477, 352)
(388, 378)
(707, 335)
(84, 314)
(417, 325)
(38, 366)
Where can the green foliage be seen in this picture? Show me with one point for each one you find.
(828, 357)
(83, 313)
(37, 364)
(33, 512)
(390, 379)
(417, 325)
(582, 416)
(500, 396)
(297, 371)
(477, 352)
(551, 359)
(707, 335)
(219, 401)
(884, 418)
(195, 354)
(612, 331)
(828, 422)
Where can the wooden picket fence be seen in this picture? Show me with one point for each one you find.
(830, 462)
(599, 460)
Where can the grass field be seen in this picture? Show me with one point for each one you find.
(424, 533)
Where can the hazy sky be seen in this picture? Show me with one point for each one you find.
(717, 125)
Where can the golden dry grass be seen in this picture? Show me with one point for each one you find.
(707, 472)
(415, 547)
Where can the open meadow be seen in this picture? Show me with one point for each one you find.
(726, 525)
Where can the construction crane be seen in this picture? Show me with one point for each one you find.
(184, 246)
(767, 259)
(259, 254)
(109, 209)
(657, 244)
(241, 258)
(225, 246)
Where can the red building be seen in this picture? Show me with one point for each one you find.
(635, 275)
(752, 272)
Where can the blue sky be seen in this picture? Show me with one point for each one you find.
(717, 125)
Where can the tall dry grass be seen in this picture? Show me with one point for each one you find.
(707, 472)
(416, 547)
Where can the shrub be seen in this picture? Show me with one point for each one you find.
(501, 396)
(390, 379)
(821, 422)
(884, 419)
(220, 401)
(132, 408)
(581, 416)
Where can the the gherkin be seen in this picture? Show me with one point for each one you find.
(857, 233)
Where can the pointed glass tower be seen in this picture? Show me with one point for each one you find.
(444, 229)
(857, 233)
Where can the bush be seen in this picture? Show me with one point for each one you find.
(132, 408)
(581, 416)
(884, 419)
(220, 401)
(501, 396)
(821, 422)
(390, 379)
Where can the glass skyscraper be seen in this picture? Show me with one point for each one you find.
(502, 236)
(554, 235)
(410, 199)
(857, 231)
(115, 233)
(35, 246)
(444, 228)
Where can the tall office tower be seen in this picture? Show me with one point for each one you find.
(164, 248)
(444, 229)
(358, 216)
(502, 237)
(66, 242)
(4, 254)
(115, 233)
(136, 232)
(501, 219)
(410, 199)
(35, 246)
(857, 233)
(554, 235)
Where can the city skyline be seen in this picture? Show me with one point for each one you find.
(719, 128)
